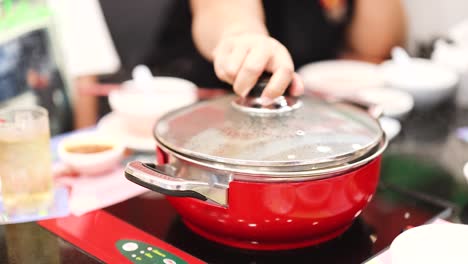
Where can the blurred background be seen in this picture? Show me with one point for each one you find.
(67, 55)
(77, 58)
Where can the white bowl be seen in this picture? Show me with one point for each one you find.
(91, 163)
(395, 103)
(465, 171)
(340, 77)
(390, 126)
(429, 83)
(431, 244)
(139, 109)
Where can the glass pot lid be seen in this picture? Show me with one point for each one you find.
(295, 132)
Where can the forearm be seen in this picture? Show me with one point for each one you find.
(215, 19)
(85, 105)
(377, 26)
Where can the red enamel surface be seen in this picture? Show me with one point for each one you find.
(98, 232)
(272, 216)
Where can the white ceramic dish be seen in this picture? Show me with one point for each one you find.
(141, 108)
(395, 103)
(459, 32)
(111, 124)
(429, 83)
(390, 126)
(91, 164)
(465, 171)
(340, 77)
(431, 244)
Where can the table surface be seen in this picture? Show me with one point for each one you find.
(424, 161)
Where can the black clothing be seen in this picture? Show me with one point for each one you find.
(158, 33)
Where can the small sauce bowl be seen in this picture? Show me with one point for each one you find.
(91, 154)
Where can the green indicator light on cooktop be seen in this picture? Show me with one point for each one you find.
(143, 253)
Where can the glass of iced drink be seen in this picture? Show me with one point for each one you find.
(25, 160)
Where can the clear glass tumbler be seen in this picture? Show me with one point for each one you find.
(25, 160)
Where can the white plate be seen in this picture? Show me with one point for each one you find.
(110, 124)
(390, 126)
(340, 77)
(395, 103)
(431, 244)
(429, 83)
(465, 171)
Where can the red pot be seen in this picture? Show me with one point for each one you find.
(237, 178)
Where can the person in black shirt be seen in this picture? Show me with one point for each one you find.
(244, 38)
(228, 43)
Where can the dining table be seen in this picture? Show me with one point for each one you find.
(422, 180)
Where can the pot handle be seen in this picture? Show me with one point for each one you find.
(159, 178)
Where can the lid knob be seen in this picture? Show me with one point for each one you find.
(252, 104)
(262, 82)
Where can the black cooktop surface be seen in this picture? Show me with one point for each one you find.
(388, 214)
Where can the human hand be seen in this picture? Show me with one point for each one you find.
(240, 60)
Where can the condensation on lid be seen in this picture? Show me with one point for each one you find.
(317, 133)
